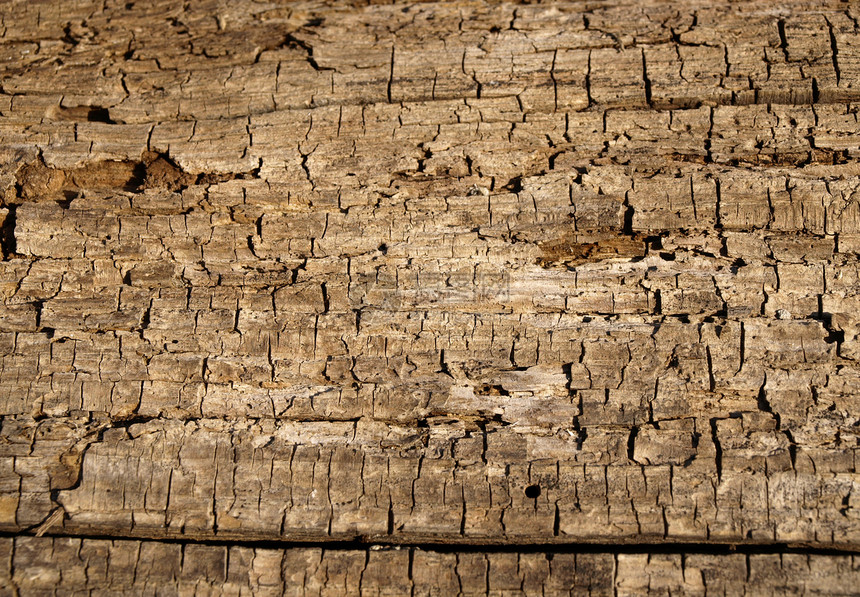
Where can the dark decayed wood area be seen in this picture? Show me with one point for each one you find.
(429, 298)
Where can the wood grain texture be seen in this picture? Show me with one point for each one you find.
(39, 566)
(467, 273)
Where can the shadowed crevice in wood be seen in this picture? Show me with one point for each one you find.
(365, 544)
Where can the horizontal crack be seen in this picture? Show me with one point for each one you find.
(361, 542)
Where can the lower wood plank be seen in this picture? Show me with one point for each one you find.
(54, 565)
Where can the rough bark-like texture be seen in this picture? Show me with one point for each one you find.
(39, 566)
(439, 273)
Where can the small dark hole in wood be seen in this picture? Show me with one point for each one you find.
(96, 114)
(533, 491)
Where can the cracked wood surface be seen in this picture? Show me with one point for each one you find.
(458, 273)
(36, 566)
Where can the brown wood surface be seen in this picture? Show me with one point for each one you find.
(72, 566)
(299, 278)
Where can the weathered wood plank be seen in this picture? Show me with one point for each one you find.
(38, 566)
(475, 273)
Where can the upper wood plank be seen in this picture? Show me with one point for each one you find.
(446, 272)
